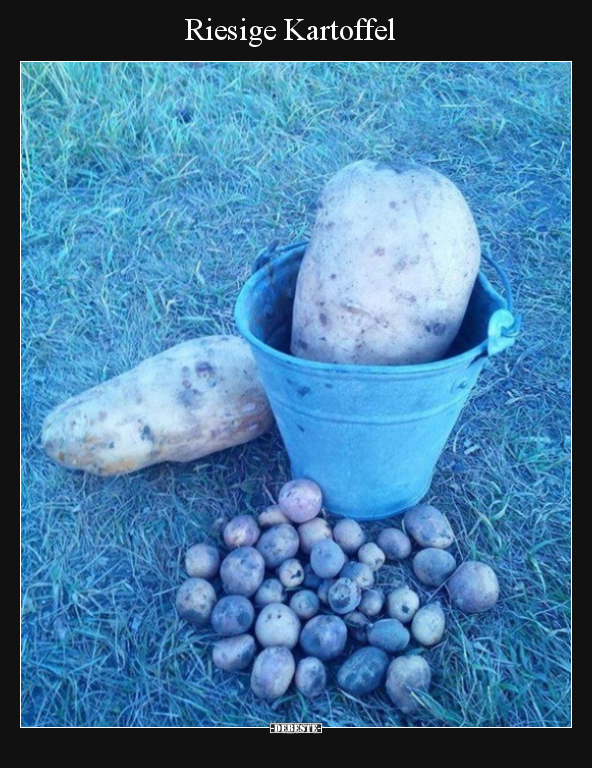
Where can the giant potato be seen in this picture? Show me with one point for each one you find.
(389, 270)
(193, 399)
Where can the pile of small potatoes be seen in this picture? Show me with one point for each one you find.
(292, 581)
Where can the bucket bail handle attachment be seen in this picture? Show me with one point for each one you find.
(504, 324)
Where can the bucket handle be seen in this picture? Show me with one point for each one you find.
(504, 324)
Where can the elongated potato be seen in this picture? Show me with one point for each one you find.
(193, 399)
(388, 272)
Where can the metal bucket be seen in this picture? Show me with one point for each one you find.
(370, 436)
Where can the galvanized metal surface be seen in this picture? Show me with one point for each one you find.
(370, 436)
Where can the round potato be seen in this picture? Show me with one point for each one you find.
(272, 516)
(433, 566)
(388, 634)
(372, 555)
(395, 544)
(428, 624)
(387, 275)
(372, 602)
(344, 596)
(272, 673)
(349, 535)
(241, 531)
(277, 625)
(234, 653)
(358, 572)
(311, 676)
(242, 571)
(363, 672)
(327, 558)
(271, 591)
(278, 543)
(305, 604)
(195, 601)
(402, 604)
(357, 626)
(202, 561)
(300, 500)
(428, 526)
(474, 587)
(291, 573)
(232, 615)
(324, 637)
(407, 676)
(315, 530)
(323, 590)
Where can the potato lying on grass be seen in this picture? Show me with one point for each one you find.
(232, 615)
(311, 676)
(278, 543)
(324, 637)
(363, 671)
(272, 673)
(402, 604)
(349, 535)
(241, 531)
(474, 587)
(428, 624)
(277, 624)
(395, 544)
(272, 516)
(433, 566)
(428, 526)
(242, 571)
(195, 601)
(406, 676)
(300, 500)
(388, 634)
(203, 561)
(234, 653)
(187, 402)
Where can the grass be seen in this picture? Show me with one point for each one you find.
(147, 191)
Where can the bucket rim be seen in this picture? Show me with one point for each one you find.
(241, 315)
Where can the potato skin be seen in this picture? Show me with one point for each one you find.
(433, 566)
(191, 400)
(395, 544)
(241, 531)
(350, 535)
(278, 543)
(405, 675)
(195, 601)
(203, 561)
(314, 530)
(429, 527)
(242, 571)
(388, 272)
(272, 673)
(311, 676)
(428, 624)
(300, 500)
(277, 625)
(233, 654)
(324, 637)
(402, 604)
(232, 615)
(474, 587)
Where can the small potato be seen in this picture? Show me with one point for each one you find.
(232, 615)
(358, 572)
(271, 591)
(311, 580)
(349, 535)
(395, 544)
(277, 544)
(388, 634)
(406, 676)
(433, 566)
(242, 571)
(372, 602)
(313, 531)
(203, 561)
(272, 673)
(372, 555)
(363, 672)
(344, 596)
(474, 587)
(291, 573)
(277, 625)
(300, 500)
(324, 637)
(327, 559)
(241, 531)
(195, 601)
(272, 516)
(234, 653)
(428, 526)
(429, 624)
(323, 590)
(305, 604)
(357, 626)
(311, 676)
(402, 604)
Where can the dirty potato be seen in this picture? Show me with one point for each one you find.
(241, 531)
(234, 654)
(277, 624)
(433, 566)
(242, 571)
(407, 676)
(402, 604)
(232, 615)
(278, 543)
(395, 544)
(300, 500)
(324, 637)
(474, 587)
(203, 561)
(195, 601)
(311, 676)
(428, 526)
(272, 673)
(428, 624)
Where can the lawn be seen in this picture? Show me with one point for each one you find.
(147, 191)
